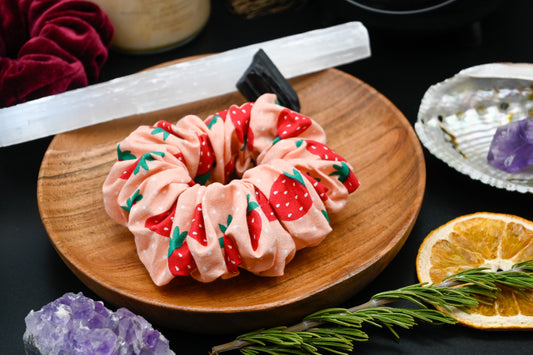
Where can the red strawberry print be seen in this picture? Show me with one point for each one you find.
(180, 260)
(127, 173)
(321, 150)
(180, 157)
(291, 124)
(222, 114)
(346, 176)
(228, 170)
(197, 226)
(253, 219)
(162, 223)
(289, 196)
(240, 117)
(265, 205)
(207, 160)
(231, 253)
(164, 127)
(342, 170)
(211, 121)
(321, 189)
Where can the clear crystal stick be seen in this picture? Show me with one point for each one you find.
(179, 83)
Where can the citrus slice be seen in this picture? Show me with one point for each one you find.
(492, 240)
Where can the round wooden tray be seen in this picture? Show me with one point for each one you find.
(361, 125)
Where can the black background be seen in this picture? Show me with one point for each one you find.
(409, 53)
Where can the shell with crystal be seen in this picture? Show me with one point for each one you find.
(458, 118)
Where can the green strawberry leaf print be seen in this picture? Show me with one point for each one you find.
(158, 130)
(222, 227)
(143, 161)
(342, 171)
(245, 143)
(252, 205)
(231, 252)
(346, 176)
(202, 179)
(228, 221)
(136, 197)
(180, 259)
(295, 176)
(124, 155)
(164, 127)
(212, 121)
(176, 240)
(325, 215)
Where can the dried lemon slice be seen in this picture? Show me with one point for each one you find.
(492, 240)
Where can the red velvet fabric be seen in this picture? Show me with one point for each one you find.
(50, 46)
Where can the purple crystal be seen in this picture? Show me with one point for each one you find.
(75, 324)
(511, 149)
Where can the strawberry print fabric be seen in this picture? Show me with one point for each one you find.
(244, 189)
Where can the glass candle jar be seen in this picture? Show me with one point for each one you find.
(144, 26)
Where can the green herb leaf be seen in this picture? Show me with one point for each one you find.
(334, 330)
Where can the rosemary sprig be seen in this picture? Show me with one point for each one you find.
(335, 330)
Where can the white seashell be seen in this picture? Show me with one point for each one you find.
(458, 117)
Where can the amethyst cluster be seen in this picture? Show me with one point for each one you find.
(511, 149)
(75, 324)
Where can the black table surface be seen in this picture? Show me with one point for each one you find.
(407, 57)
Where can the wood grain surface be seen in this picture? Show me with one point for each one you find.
(361, 125)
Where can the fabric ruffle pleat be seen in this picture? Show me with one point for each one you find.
(246, 188)
(50, 46)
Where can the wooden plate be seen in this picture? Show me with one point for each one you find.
(361, 125)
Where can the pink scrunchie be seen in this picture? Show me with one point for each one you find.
(244, 189)
(50, 46)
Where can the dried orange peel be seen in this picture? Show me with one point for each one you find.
(492, 240)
